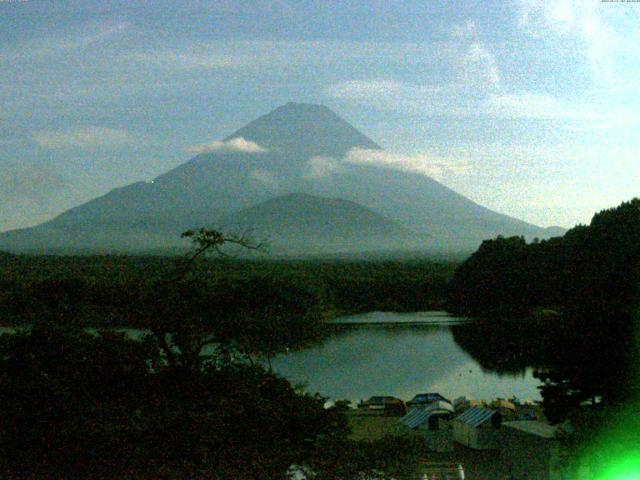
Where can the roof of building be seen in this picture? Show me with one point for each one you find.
(428, 398)
(381, 400)
(533, 427)
(419, 416)
(415, 418)
(440, 405)
(475, 416)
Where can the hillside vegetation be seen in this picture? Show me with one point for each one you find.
(566, 305)
(113, 290)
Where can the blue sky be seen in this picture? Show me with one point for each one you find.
(533, 106)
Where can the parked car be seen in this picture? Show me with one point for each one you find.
(443, 471)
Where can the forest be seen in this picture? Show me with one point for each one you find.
(187, 398)
(107, 291)
(568, 306)
(592, 269)
(190, 398)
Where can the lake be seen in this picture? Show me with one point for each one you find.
(401, 355)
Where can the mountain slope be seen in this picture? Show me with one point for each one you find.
(296, 148)
(306, 129)
(300, 222)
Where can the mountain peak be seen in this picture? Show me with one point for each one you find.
(306, 128)
(309, 108)
(354, 201)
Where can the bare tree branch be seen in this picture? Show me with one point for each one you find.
(205, 241)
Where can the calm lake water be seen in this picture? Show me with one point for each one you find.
(400, 355)
(397, 354)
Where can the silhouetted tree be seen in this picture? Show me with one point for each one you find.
(99, 405)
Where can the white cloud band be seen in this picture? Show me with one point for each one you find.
(234, 145)
(440, 168)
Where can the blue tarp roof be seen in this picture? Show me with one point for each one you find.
(427, 398)
(415, 418)
(419, 416)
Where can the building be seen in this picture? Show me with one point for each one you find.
(461, 404)
(478, 428)
(433, 424)
(531, 450)
(431, 418)
(505, 408)
(423, 400)
(381, 405)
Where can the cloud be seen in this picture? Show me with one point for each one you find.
(84, 138)
(528, 105)
(433, 100)
(440, 168)
(433, 166)
(318, 168)
(234, 145)
(479, 65)
(31, 192)
(91, 34)
(387, 94)
(585, 116)
(363, 89)
(94, 33)
(468, 69)
(191, 60)
(24, 179)
(392, 95)
(475, 64)
(580, 22)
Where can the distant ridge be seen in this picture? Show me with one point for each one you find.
(300, 222)
(224, 183)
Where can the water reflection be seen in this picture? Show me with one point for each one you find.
(399, 358)
(403, 354)
(505, 348)
(436, 317)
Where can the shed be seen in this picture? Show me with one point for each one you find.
(477, 428)
(433, 424)
(531, 449)
(430, 417)
(383, 405)
(441, 405)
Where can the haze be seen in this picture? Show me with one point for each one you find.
(528, 109)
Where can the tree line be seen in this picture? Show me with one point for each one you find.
(106, 291)
(574, 300)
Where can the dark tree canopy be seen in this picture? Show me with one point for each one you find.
(591, 269)
(590, 279)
